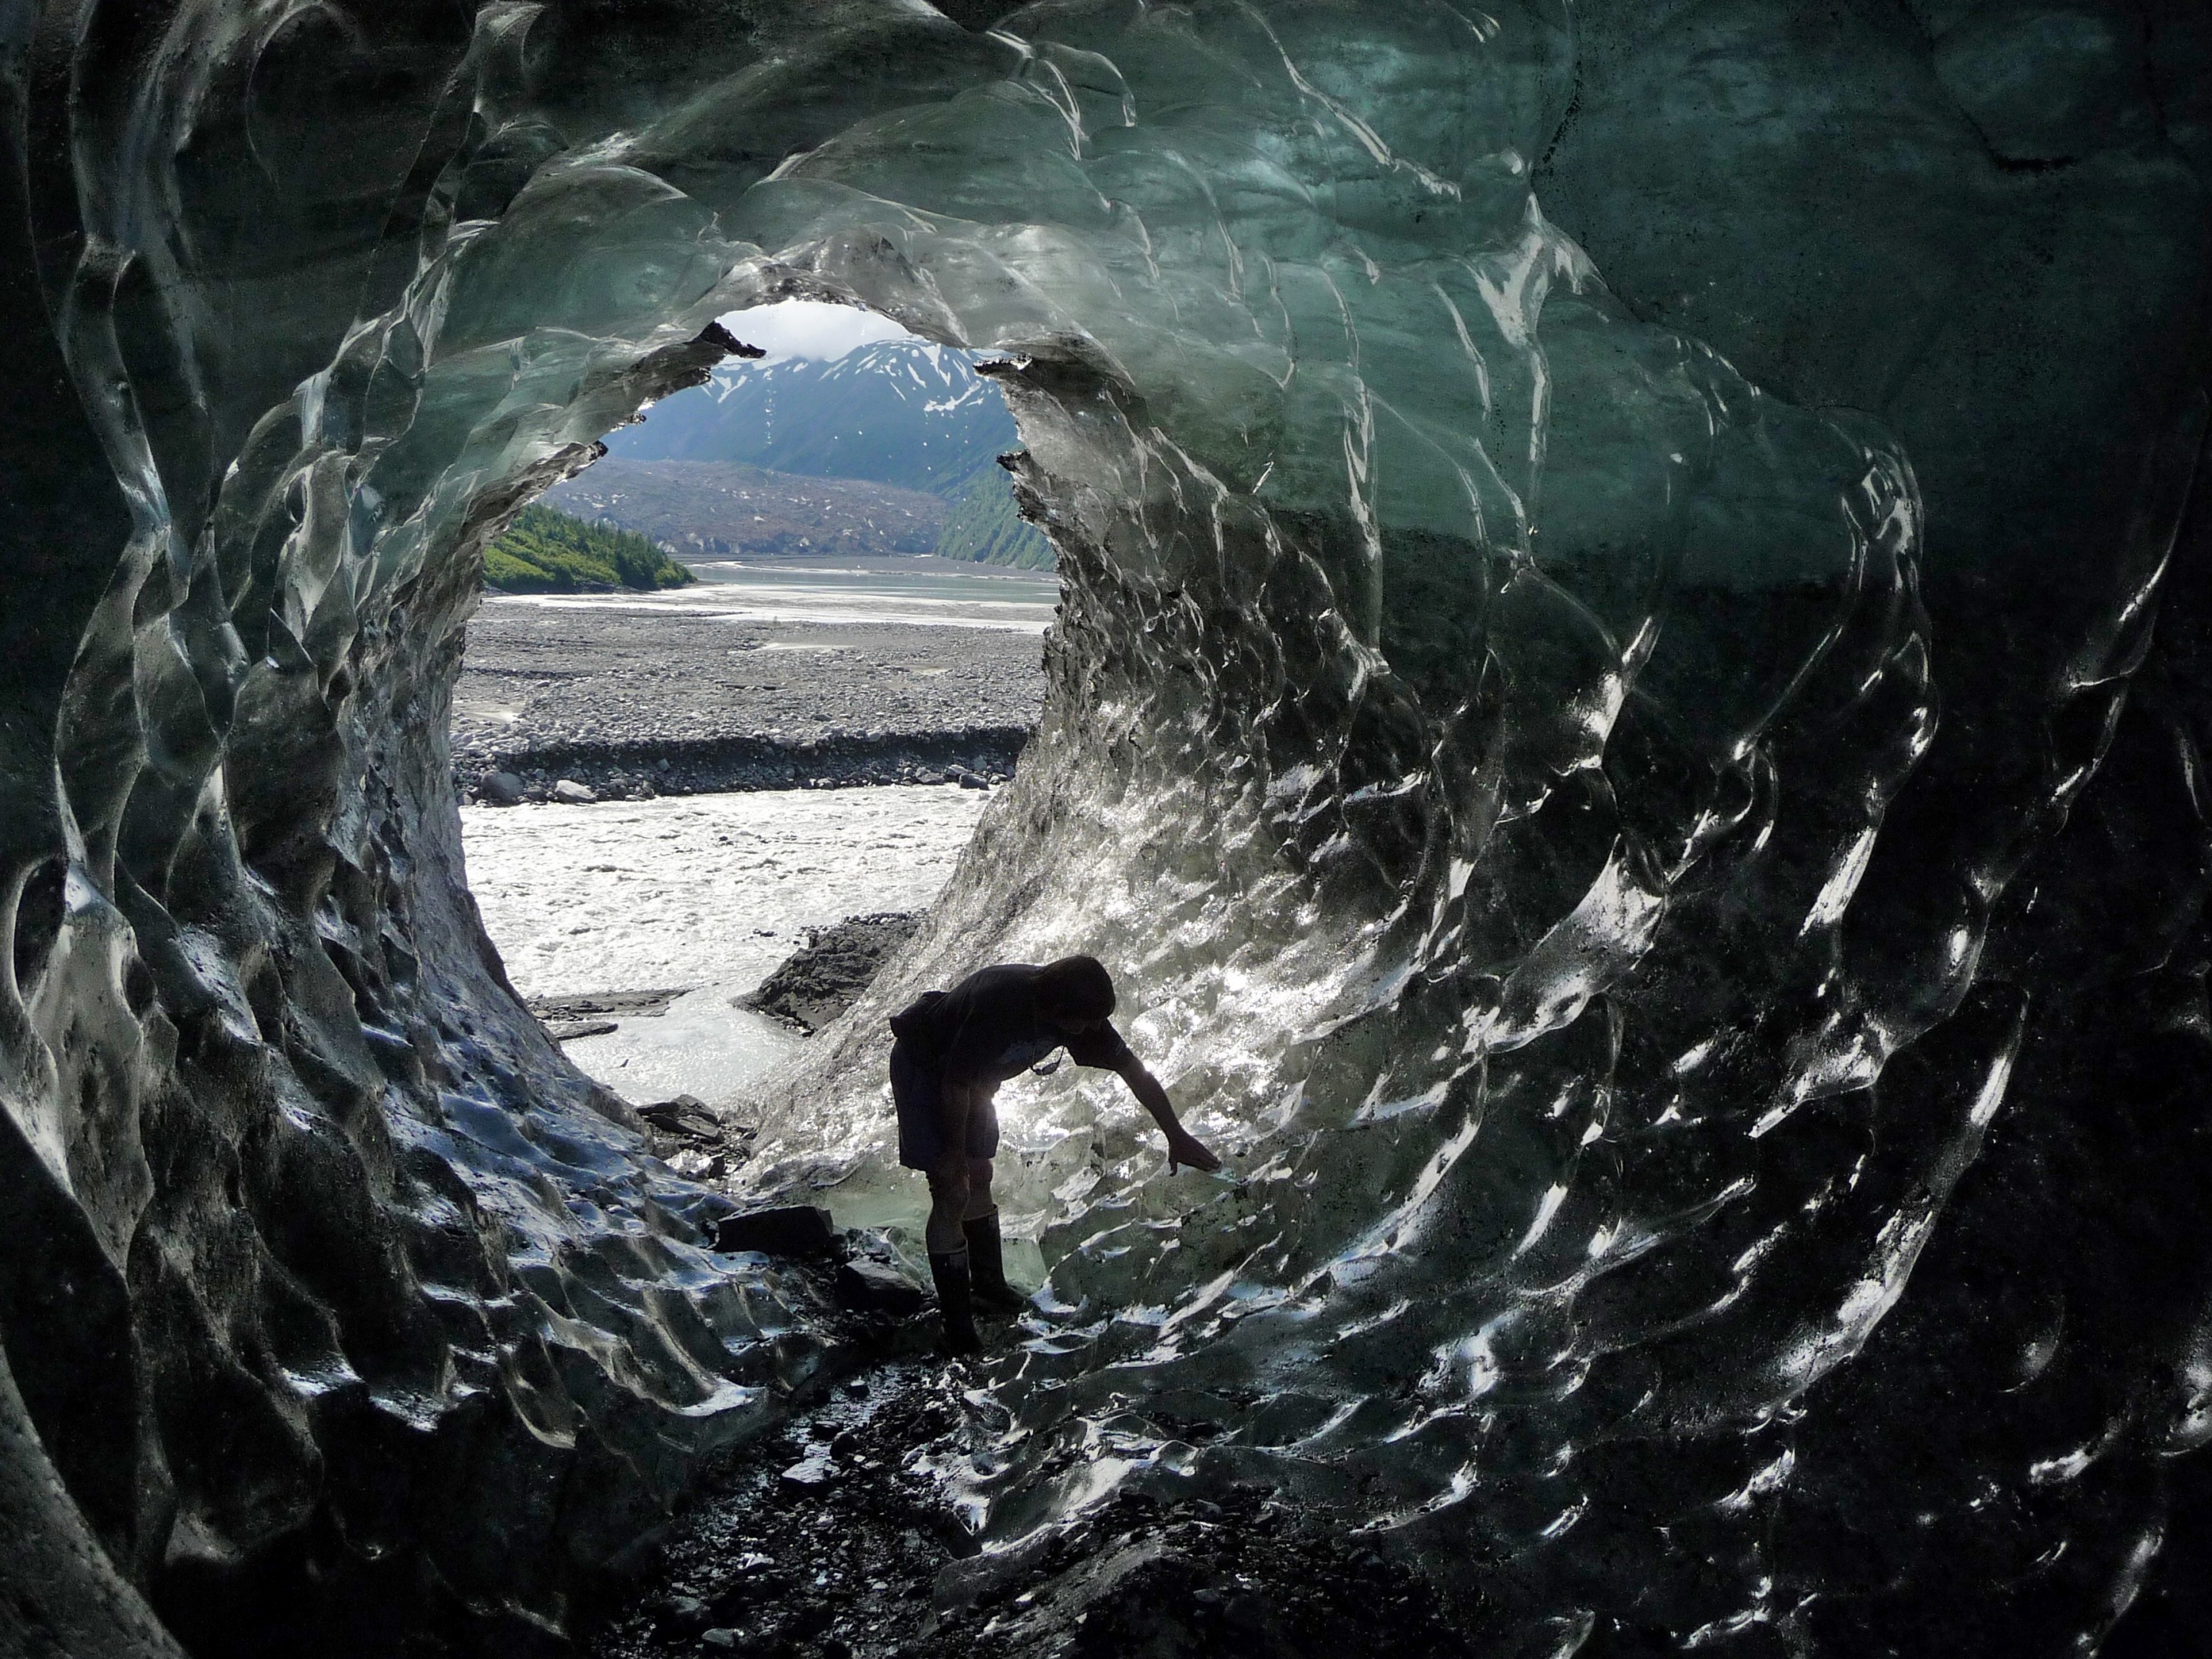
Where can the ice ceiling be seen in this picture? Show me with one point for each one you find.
(1629, 705)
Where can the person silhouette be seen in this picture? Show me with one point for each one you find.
(951, 1051)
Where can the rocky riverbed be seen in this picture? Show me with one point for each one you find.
(833, 1540)
(635, 703)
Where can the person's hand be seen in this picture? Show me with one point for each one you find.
(1183, 1148)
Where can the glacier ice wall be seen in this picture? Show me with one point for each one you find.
(1627, 707)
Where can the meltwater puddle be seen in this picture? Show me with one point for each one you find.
(707, 893)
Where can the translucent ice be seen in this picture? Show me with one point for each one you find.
(1716, 1149)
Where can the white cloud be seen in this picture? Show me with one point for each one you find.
(810, 328)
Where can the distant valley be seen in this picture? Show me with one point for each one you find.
(892, 448)
(725, 509)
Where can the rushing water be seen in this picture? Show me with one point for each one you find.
(707, 893)
(929, 593)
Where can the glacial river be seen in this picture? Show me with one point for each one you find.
(706, 892)
(928, 591)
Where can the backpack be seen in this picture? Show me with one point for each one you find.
(913, 1022)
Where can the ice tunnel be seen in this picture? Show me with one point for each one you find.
(1629, 704)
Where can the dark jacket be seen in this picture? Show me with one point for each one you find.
(987, 1029)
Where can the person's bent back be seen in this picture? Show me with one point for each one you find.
(953, 1049)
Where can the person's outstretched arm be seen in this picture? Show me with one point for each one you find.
(1183, 1147)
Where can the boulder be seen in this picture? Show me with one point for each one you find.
(686, 1115)
(821, 979)
(867, 1286)
(787, 1229)
(569, 793)
(500, 789)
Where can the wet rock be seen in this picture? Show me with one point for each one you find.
(687, 1115)
(570, 1030)
(816, 1469)
(869, 1286)
(795, 1230)
(499, 788)
(684, 1612)
(569, 793)
(986, 1577)
(827, 975)
(585, 1005)
(694, 1163)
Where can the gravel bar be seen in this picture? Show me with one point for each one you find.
(630, 705)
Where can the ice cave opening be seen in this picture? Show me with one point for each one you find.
(1628, 695)
(803, 578)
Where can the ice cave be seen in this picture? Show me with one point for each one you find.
(1630, 698)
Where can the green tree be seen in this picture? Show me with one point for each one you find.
(547, 551)
(985, 525)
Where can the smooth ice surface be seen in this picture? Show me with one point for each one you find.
(1627, 709)
(706, 893)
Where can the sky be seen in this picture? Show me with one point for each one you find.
(810, 328)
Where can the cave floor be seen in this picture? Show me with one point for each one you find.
(829, 1540)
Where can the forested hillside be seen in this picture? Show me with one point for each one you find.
(546, 551)
(726, 509)
(983, 525)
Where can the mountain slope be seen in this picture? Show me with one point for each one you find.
(901, 412)
(717, 509)
(982, 525)
(898, 412)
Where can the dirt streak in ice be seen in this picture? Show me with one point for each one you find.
(708, 892)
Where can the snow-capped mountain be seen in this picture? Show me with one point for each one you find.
(899, 411)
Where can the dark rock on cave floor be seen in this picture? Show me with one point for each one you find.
(824, 977)
(825, 1543)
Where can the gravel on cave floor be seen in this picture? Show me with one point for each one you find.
(823, 1542)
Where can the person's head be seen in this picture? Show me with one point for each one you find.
(1075, 992)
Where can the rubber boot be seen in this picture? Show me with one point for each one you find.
(986, 1266)
(955, 1302)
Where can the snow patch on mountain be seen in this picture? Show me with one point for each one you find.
(905, 412)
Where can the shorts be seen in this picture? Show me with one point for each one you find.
(921, 1117)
